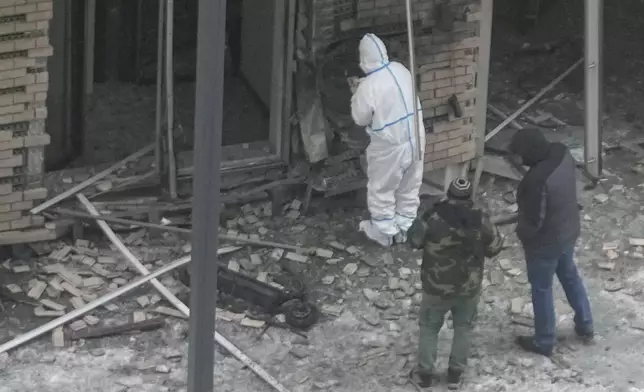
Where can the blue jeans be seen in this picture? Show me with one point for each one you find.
(542, 266)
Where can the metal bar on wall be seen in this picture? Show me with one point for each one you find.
(289, 75)
(594, 26)
(169, 95)
(90, 38)
(277, 85)
(412, 69)
(158, 151)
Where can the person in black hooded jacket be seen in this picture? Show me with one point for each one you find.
(548, 227)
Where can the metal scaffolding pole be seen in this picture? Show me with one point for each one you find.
(412, 69)
(169, 89)
(158, 150)
(206, 191)
(482, 86)
(594, 26)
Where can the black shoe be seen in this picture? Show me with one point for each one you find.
(587, 337)
(421, 380)
(454, 379)
(527, 343)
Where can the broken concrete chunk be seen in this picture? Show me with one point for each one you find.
(40, 311)
(601, 198)
(93, 282)
(143, 301)
(405, 273)
(262, 231)
(78, 325)
(60, 254)
(353, 250)
(350, 269)
(256, 259)
(71, 277)
(332, 310)
(47, 303)
(610, 246)
(170, 312)
(14, 288)
(370, 294)
(336, 245)
(138, 317)
(329, 279)
(297, 257)
(363, 272)
(277, 254)
(71, 289)
(77, 302)
(296, 204)
(106, 260)
(111, 307)
(82, 243)
(292, 214)
(333, 261)
(20, 269)
(251, 323)
(233, 265)
(262, 276)
(505, 264)
(514, 272)
(58, 337)
(155, 299)
(247, 265)
(636, 241)
(324, 253)
(612, 255)
(91, 320)
(516, 306)
(299, 352)
(606, 265)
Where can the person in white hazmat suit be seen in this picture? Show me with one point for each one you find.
(382, 102)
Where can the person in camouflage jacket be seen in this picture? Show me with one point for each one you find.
(455, 237)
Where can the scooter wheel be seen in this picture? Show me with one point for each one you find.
(302, 315)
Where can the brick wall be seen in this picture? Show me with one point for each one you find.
(446, 46)
(24, 48)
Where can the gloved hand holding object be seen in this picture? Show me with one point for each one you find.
(383, 103)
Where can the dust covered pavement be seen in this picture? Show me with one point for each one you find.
(366, 339)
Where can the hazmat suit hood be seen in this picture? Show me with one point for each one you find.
(531, 146)
(373, 54)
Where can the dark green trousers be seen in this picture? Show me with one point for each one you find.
(431, 319)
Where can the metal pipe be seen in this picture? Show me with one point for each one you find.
(97, 177)
(175, 301)
(533, 100)
(245, 241)
(594, 26)
(158, 152)
(412, 69)
(74, 314)
(169, 89)
(114, 239)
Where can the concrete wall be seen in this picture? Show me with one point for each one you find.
(446, 55)
(24, 82)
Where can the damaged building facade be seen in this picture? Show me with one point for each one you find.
(447, 53)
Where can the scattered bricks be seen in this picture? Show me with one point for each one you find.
(78, 325)
(20, 269)
(164, 310)
(52, 292)
(13, 288)
(71, 277)
(49, 304)
(247, 322)
(297, 257)
(71, 289)
(93, 282)
(138, 317)
(37, 290)
(143, 301)
(324, 253)
(77, 302)
(58, 337)
(91, 320)
(42, 312)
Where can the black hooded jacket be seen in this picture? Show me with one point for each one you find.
(547, 195)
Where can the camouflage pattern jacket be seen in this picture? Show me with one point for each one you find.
(455, 238)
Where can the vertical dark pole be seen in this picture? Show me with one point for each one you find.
(206, 185)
